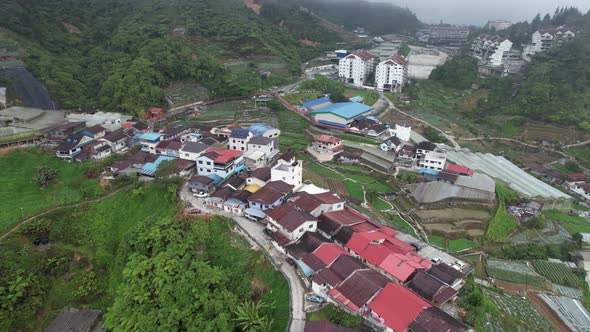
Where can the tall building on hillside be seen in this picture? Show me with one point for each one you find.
(443, 35)
(545, 39)
(498, 25)
(490, 50)
(392, 73)
(356, 67)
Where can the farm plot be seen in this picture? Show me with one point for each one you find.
(524, 315)
(556, 272)
(550, 234)
(574, 224)
(514, 272)
(573, 293)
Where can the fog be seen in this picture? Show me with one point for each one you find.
(478, 12)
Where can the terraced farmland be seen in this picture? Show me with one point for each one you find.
(521, 313)
(514, 272)
(556, 272)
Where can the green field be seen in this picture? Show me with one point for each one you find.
(346, 167)
(516, 272)
(399, 224)
(324, 171)
(336, 315)
(381, 187)
(20, 196)
(381, 205)
(358, 139)
(574, 224)
(557, 273)
(92, 246)
(503, 224)
(452, 245)
(370, 96)
(582, 154)
(355, 190)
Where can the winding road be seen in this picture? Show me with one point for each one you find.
(254, 232)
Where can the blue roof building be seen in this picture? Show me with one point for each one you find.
(356, 99)
(258, 129)
(152, 137)
(313, 105)
(341, 114)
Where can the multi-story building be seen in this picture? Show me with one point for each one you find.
(498, 25)
(441, 35)
(545, 39)
(288, 169)
(220, 162)
(433, 160)
(356, 67)
(391, 74)
(490, 50)
(238, 139)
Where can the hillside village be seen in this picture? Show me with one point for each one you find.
(348, 195)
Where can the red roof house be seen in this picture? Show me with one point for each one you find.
(462, 170)
(397, 307)
(155, 113)
(575, 177)
(329, 252)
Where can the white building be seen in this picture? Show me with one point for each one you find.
(402, 130)
(391, 74)
(288, 170)
(239, 138)
(499, 25)
(111, 121)
(192, 150)
(221, 162)
(433, 160)
(490, 50)
(356, 67)
(545, 39)
(290, 221)
(391, 144)
(266, 145)
(581, 188)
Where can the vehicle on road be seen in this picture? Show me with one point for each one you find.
(290, 261)
(201, 194)
(315, 298)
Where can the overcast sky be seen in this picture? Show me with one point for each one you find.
(478, 12)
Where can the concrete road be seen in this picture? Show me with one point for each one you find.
(255, 232)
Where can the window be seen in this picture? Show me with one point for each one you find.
(209, 163)
(200, 162)
(301, 230)
(310, 226)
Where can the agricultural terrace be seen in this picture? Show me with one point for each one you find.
(452, 245)
(574, 224)
(503, 224)
(518, 313)
(21, 196)
(251, 72)
(557, 273)
(516, 272)
(92, 247)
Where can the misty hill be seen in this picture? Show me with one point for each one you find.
(119, 54)
(376, 17)
(556, 87)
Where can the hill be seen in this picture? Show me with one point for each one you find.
(119, 54)
(376, 17)
(555, 89)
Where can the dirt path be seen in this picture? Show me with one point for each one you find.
(450, 138)
(21, 223)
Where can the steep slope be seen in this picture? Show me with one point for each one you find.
(117, 54)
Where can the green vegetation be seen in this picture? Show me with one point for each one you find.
(370, 96)
(324, 85)
(355, 190)
(574, 224)
(358, 139)
(557, 273)
(399, 224)
(118, 55)
(404, 50)
(377, 18)
(514, 272)
(527, 251)
(460, 72)
(292, 126)
(324, 171)
(98, 251)
(582, 154)
(336, 315)
(438, 241)
(452, 245)
(21, 196)
(503, 224)
(434, 135)
(381, 205)
(346, 167)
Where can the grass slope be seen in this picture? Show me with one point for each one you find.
(19, 194)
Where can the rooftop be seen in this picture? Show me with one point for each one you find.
(324, 138)
(78, 320)
(150, 136)
(262, 173)
(271, 192)
(261, 140)
(313, 103)
(346, 110)
(222, 156)
(288, 217)
(194, 147)
(398, 306)
(329, 252)
(434, 319)
(361, 286)
(239, 133)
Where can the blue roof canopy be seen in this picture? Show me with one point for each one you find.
(312, 103)
(347, 110)
(150, 136)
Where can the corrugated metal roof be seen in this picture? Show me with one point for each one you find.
(346, 110)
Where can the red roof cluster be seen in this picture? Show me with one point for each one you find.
(222, 156)
(329, 252)
(400, 60)
(363, 54)
(397, 306)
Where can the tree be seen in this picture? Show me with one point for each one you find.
(460, 72)
(45, 175)
(249, 317)
(166, 168)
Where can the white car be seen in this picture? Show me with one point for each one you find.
(201, 194)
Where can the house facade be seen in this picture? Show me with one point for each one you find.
(117, 140)
(149, 141)
(192, 150)
(220, 162)
(266, 145)
(356, 67)
(391, 74)
(289, 171)
(238, 139)
(433, 160)
(97, 150)
(490, 50)
(545, 39)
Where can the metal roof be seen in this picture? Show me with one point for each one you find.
(346, 110)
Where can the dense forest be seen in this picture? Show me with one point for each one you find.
(375, 17)
(555, 88)
(118, 54)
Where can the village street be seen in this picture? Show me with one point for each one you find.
(255, 233)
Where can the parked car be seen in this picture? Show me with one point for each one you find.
(315, 298)
(290, 261)
(201, 194)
